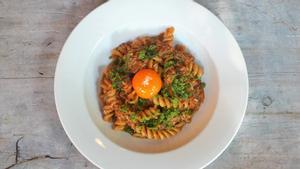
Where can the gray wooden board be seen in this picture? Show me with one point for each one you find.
(32, 33)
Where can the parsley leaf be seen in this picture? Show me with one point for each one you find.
(133, 117)
(151, 123)
(164, 91)
(169, 114)
(148, 52)
(180, 87)
(124, 108)
(175, 101)
(116, 79)
(188, 112)
(164, 119)
(118, 73)
(128, 129)
(142, 55)
(141, 103)
(169, 64)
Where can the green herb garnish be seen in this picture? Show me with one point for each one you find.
(133, 117)
(164, 91)
(118, 73)
(151, 123)
(124, 108)
(148, 52)
(164, 119)
(142, 55)
(169, 114)
(169, 64)
(116, 79)
(122, 64)
(141, 103)
(180, 87)
(128, 129)
(175, 101)
(187, 111)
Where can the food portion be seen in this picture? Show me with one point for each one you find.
(152, 87)
(146, 83)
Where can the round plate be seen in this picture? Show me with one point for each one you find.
(86, 52)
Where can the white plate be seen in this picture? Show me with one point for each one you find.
(86, 52)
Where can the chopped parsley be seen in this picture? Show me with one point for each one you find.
(180, 87)
(164, 119)
(175, 101)
(142, 55)
(117, 74)
(141, 103)
(122, 64)
(116, 79)
(124, 108)
(187, 111)
(169, 64)
(133, 117)
(128, 129)
(152, 123)
(164, 91)
(148, 52)
(169, 114)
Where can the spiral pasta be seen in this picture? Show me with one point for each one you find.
(166, 102)
(147, 114)
(168, 35)
(132, 97)
(119, 124)
(109, 99)
(155, 65)
(165, 114)
(120, 50)
(195, 69)
(145, 132)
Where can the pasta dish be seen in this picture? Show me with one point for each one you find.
(152, 87)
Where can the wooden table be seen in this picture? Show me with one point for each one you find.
(32, 33)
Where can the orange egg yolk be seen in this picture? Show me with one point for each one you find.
(146, 83)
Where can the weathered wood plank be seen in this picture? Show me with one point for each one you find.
(33, 32)
(27, 110)
(264, 141)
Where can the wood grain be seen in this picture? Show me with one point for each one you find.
(32, 33)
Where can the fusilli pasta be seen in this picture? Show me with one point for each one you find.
(165, 114)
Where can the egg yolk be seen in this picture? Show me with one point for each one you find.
(146, 83)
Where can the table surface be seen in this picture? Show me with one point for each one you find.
(32, 33)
